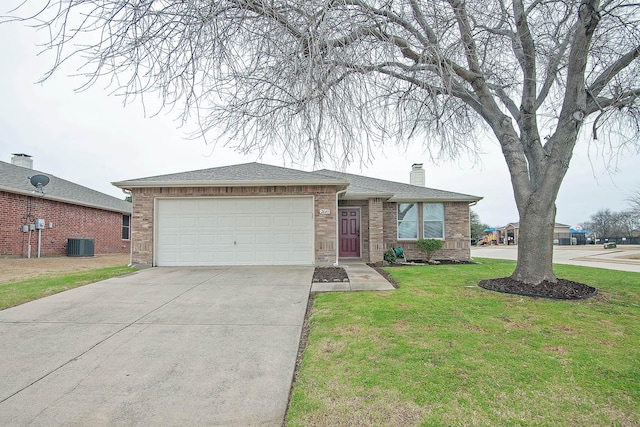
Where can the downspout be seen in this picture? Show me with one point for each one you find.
(128, 193)
(335, 264)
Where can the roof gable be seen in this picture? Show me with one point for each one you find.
(14, 179)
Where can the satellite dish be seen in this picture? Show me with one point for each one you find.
(39, 181)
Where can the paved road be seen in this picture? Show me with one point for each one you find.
(164, 346)
(586, 256)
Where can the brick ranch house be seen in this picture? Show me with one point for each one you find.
(69, 211)
(257, 214)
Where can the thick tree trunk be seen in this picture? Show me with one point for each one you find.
(535, 245)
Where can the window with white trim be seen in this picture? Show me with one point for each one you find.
(407, 221)
(126, 227)
(433, 221)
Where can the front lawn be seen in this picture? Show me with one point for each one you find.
(442, 351)
(12, 294)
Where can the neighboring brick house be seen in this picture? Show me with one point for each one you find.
(69, 211)
(257, 214)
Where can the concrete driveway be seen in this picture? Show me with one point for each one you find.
(164, 346)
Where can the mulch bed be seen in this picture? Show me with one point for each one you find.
(563, 289)
(329, 274)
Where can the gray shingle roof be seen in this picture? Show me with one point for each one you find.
(359, 187)
(235, 175)
(363, 187)
(14, 179)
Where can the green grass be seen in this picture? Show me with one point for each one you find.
(441, 351)
(12, 294)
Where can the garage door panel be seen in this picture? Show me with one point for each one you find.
(221, 206)
(225, 221)
(204, 207)
(264, 221)
(170, 222)
(248, 204)
(206, 222)
(299, 221)
(188, 240)
(297, 204)
(244, 238)
(225, 239)
(300, 256)
(264, 257)
(205, 257)
(245, 221)
(283, 239)
(206, 240)
(282, 257)
(301, 239)
(245, 256)
(186, 256)
(187, 222)
(224, 258)
(171, 240)
(228, 231)
(281, 221)
(262, 238)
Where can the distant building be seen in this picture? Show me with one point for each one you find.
(510, 233)
(61, 210)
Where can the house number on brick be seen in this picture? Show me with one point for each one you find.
(325, 211)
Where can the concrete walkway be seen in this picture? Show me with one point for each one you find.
(585, 256)
(162, 347)
(361, 278)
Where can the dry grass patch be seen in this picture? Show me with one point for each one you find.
(378, 407)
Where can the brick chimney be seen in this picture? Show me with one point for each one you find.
(416, 177)
(20, 159)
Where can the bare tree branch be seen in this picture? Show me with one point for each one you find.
(333, 79)
(606, 76)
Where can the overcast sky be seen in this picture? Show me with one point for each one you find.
(91, 139)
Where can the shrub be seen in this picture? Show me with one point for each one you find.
(429, 247)
(390, 255)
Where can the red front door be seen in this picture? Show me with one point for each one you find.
(349, 233)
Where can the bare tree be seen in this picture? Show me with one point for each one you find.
(603, 223)
(634, 200)
(627, 223)
(336, 77)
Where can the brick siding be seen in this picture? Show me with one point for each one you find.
(457, 233)
(143, 214)
(69, 221)
(378, 222)
(376, 230)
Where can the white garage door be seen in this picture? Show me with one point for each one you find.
(238, 231)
